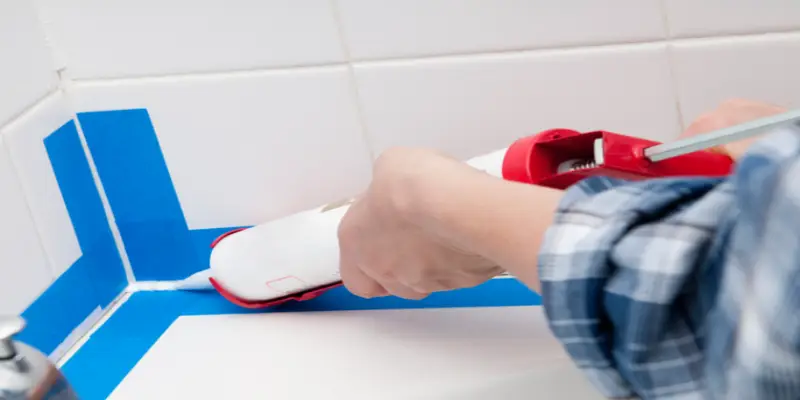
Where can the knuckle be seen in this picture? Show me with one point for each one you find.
(711, 118)
(344, 231)
(362, 290)
(384, 274)
(415, 280)
(348, 232)
(389, 156)
(426, 286)
(411, 295)
(399, 289)
(705, 117)
(709, 121)
(699, 123)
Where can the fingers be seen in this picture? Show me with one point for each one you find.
(431, 286)
(359, 283)
(396, 288)
(706, 123)
(701, 124)
(362, 285)
(729, 113)
(453, 280)
(353, 278)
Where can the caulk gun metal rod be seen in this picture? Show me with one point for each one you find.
(720, 137)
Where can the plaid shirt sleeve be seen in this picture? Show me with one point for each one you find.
(682, 288)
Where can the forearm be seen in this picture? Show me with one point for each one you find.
(502, 221)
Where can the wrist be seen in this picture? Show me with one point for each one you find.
(503, 222)
(508, 224)
(434, 200)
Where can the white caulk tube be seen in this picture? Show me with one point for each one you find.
(294, 254)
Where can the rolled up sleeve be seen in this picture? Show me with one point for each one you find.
(682, 288)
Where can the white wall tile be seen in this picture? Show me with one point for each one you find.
(25, 141)
(471, 105)
(99, 38)
(24, 272)
(246, 148)
(402, 28)
(26, 69)
(758, 68)
(718, 17)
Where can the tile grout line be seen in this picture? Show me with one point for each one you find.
(353, 83)
(75, 336)
(28, 108)
(210, 73)
(66, 83)
(673, 76)
(577, 47)
(734, 35)
(37, 225)
(436, 57)
(91, 322)
(107, 313)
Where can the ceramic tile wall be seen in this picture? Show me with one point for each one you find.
(154, 37)
(27, 76)
(27, 68)
(47, 274)
(253, 84)
(266, 107)
(59, 263)
(263, 144)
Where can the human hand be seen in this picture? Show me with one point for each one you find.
(730, 113)
(391, 239)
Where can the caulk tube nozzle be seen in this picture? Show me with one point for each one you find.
(197, 281)
(491, 163)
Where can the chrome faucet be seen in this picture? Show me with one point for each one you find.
(26, 373)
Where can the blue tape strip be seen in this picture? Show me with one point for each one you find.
(98, 276)
(61, 308)
(86, 212)
(101, 364)
(139, 188)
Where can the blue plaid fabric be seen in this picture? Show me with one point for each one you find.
(682, 288)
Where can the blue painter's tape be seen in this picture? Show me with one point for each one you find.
(86, 212)
(98, 367)
(101, 364)
(106, 270)
(98, 276)
(140, 192)
(61, 308)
